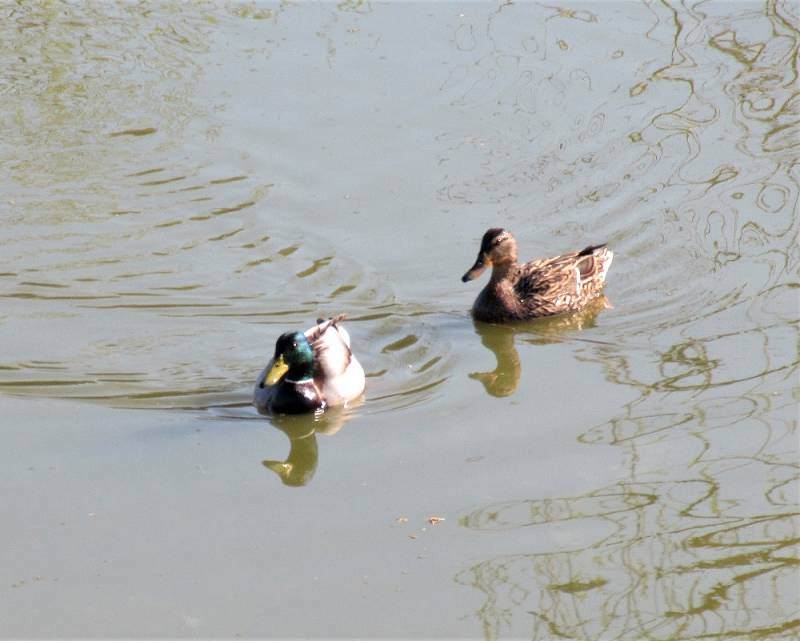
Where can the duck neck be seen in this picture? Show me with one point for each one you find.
(501, 271)
(300, 372)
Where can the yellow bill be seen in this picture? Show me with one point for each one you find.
(276, 372)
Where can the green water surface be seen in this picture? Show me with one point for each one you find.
(183, 182)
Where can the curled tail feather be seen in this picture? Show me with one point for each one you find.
(322, 326)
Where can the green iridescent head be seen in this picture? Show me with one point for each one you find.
(293, 359)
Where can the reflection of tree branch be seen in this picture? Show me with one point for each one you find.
(559, 584)
(681, 522)
(702, 520)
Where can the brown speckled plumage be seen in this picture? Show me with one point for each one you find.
(539, 288)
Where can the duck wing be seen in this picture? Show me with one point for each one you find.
(553, 285)
(547, 277)
(593, 264)
(331, 346)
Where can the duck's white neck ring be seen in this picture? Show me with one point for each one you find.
(305, 380)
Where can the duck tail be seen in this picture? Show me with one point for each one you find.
(591, 249)
(322, 326)
(594, 262)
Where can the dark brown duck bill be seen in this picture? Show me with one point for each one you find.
(476, 270)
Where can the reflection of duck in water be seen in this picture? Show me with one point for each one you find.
(505, 377)
(300, 465)
(499, 339)
(539, 288)
(310, 371)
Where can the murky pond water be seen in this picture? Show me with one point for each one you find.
(184, 182)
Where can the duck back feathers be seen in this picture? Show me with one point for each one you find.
(543, 287)
(336, 369)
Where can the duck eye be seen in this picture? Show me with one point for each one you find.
(294, 344)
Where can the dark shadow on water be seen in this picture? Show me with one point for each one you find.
(300, 464)
(500, 339)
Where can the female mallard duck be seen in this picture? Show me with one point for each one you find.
(538, 288)
(310, 371)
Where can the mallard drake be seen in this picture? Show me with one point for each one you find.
(310, 371)
(538, 288)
